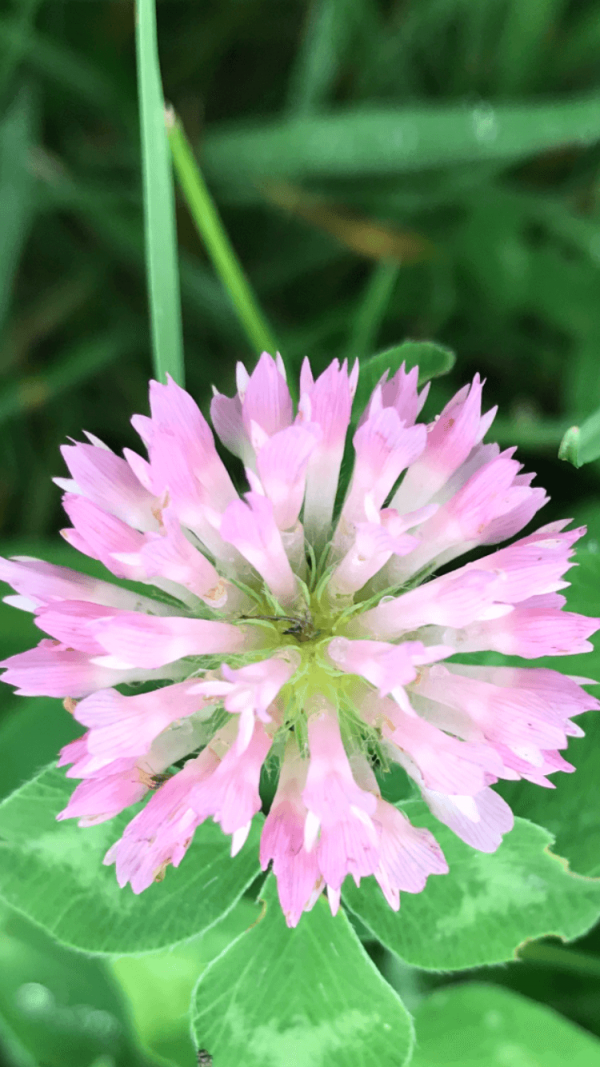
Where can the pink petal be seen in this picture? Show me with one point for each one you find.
(250, 527)
(44, 583)
(102, 536)
(384, 448)
(108, 482)
(528, 632)
(281, 465)
(230, 795)
(50, 670)
(162, 832)
(407, 855)
(459, 596)
(137, 640)
(266, 399)
(488, 818)
(450, 440)
(328, 404)
(282, 840)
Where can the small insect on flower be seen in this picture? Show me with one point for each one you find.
(302, 626)
(321, 631)
(153, 781)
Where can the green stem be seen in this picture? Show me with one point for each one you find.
(564, 959)
(373, 307)
(159, 204)
(218, 246)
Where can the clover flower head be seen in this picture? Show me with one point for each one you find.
(285, 627)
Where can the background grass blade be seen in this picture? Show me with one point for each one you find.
(218, 246)
(16, 190)
(159, 204)
(372, 309)
(384, 141)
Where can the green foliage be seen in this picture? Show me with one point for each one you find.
(53, 873)
(476, 1025)
(308, 996)
(159, 206)
(486, 907)
(57, 1007)
(383, 142)
(581, 444)
(210, 228)
(17, 132)
(431, 359)
(159, 985)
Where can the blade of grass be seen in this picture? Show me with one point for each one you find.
(19, 42)
(121, 234)
(62, 67)
(218, 245)
(79, 363)
(352, 143)
(372, 309)
(329, 28)
(17, 196)
(561, 957)
(159, 204)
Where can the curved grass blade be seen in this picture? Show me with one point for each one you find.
(218, 246)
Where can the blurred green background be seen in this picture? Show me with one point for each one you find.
(385, 169)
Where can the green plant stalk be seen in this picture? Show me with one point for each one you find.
(159, 205)
(214, 236)
(372, 309)
(561, 957)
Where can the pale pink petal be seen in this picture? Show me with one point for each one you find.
(102, 536)
(98, 799)
(127, 725)
(266, 398)
(465, 520)
(407, 855)
(282, 841)
(250, 526)
(481, 822)
(388, 667)
(444, 763)
(67, 621)
(185, 463)
(520, 719)
(374, 543)
(532, 566)
(109, 482)
(281, 465)
(460, 596)
(328, 404)
(161, 834)
(400, 393)
(226, 415)
(137, 640)
(53, 671)
(170, 555)
(45, 583)
(339, 810)
(231, 794)
(528, 632)
(450, 440)
(251, 690)
(384, 448)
